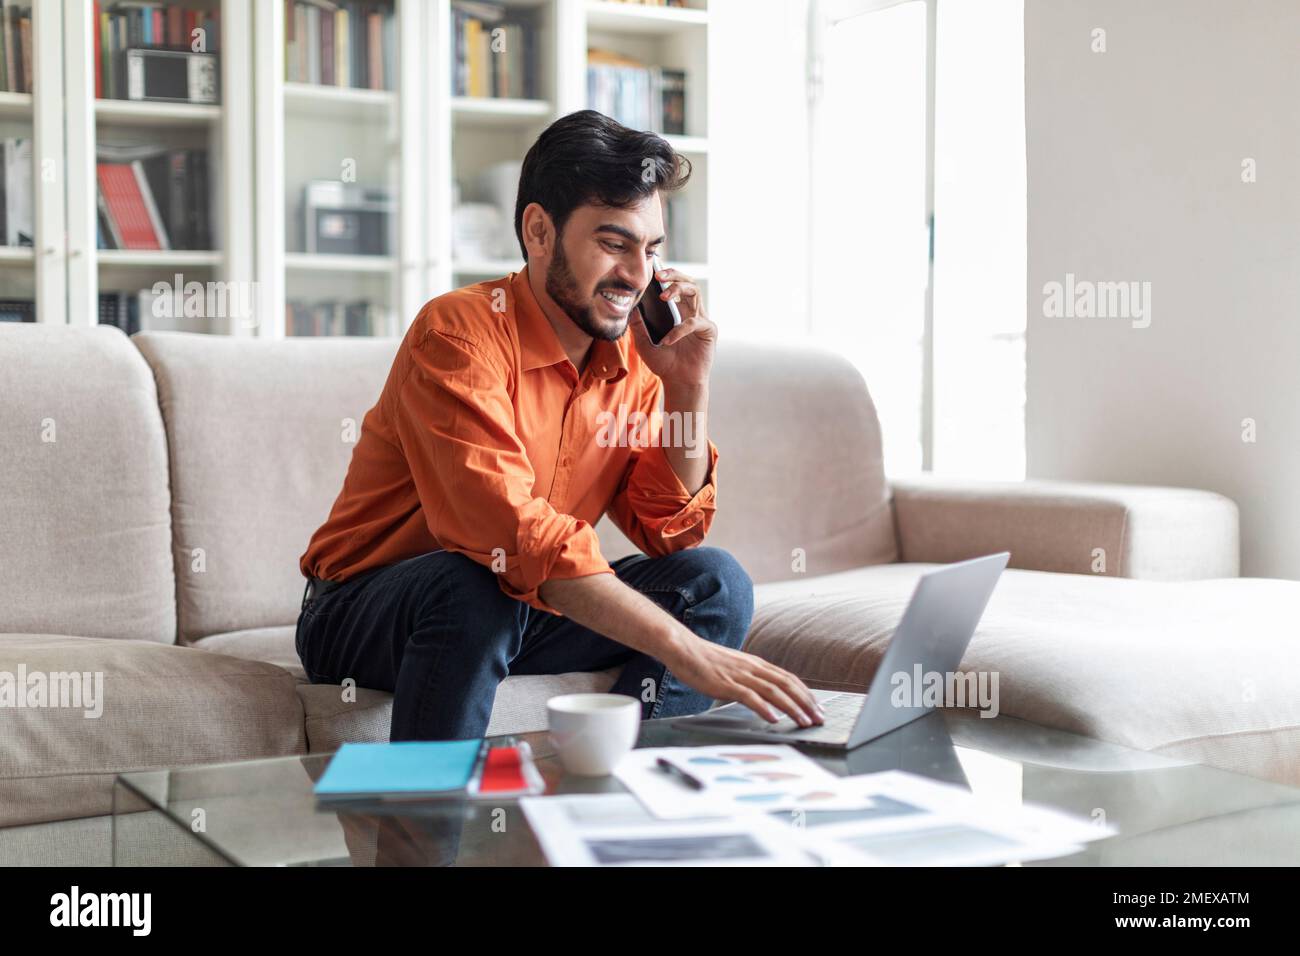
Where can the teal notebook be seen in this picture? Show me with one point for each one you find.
(408, 768)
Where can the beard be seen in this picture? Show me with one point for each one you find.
(562, 287)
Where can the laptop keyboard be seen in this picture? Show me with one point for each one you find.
(841, 714)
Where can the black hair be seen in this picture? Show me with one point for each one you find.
(586, 157)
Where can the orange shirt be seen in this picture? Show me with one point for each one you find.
(486, 442)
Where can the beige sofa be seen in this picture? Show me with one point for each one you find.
(158, 491)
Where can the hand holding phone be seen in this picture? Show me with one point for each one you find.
(660, 316)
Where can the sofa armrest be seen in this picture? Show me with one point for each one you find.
(1127, 531)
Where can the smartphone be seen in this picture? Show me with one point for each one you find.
(660, 317)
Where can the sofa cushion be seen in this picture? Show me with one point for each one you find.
(275, 645)
(520, 707)
(1201, 670)
(799, 464)
(85, 531)
(260, 433)
(160, 706)
(330, 720)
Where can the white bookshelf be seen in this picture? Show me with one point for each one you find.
(268, 137)
(222, 131)
(35, 273)
(676, 38)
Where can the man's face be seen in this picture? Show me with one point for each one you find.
(602, 264)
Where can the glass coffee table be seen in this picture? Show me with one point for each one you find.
(263, 812)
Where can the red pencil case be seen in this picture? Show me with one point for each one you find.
(507, 772)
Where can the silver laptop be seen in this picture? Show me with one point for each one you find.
(933, 635)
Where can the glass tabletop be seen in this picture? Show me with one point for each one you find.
(264, 813)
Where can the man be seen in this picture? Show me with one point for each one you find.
(461, 548)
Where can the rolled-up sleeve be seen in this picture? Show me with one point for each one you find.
(455, 421)
(652, 507)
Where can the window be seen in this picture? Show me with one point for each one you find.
(870, 155)
(979, 266)
(869, 234)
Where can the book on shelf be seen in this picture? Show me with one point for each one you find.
(133, 311)
(637, 95)
(350, 43)
(162, 204)
(494, 50)
(17, 310)
(334, 318)
(17, 215)
(15, 46)
(124, 26)
(126, 202)
(120, 309)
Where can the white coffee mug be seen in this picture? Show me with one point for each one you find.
(592, 732)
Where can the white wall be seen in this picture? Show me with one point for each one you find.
(1135, 173)
(758, 168)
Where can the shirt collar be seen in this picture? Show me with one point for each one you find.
(540, 347)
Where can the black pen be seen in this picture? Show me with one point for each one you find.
(695, 783)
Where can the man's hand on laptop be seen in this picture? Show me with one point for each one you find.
(729, 675)
(608, 606)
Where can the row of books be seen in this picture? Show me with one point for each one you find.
(151, 197)
(122, 309)
(17, 221)
(335, 318)
(348, 43)
(17, 310)
(637, 95)
(494, 50)
(133, 311)
(132, 25)
(16, 46)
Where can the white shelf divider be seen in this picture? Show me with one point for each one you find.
(134, 113)
(328, 262)
(237, 130)
(159, 258)
(498, 111)
(15, 105)
(486, 268)
(268, 165)
(51, 250)
(603, 15)
(437, 155)
(17, 255)
(81, 276)
(413, 169)
(337, 102)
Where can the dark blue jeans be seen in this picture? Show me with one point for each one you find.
(437, 631)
